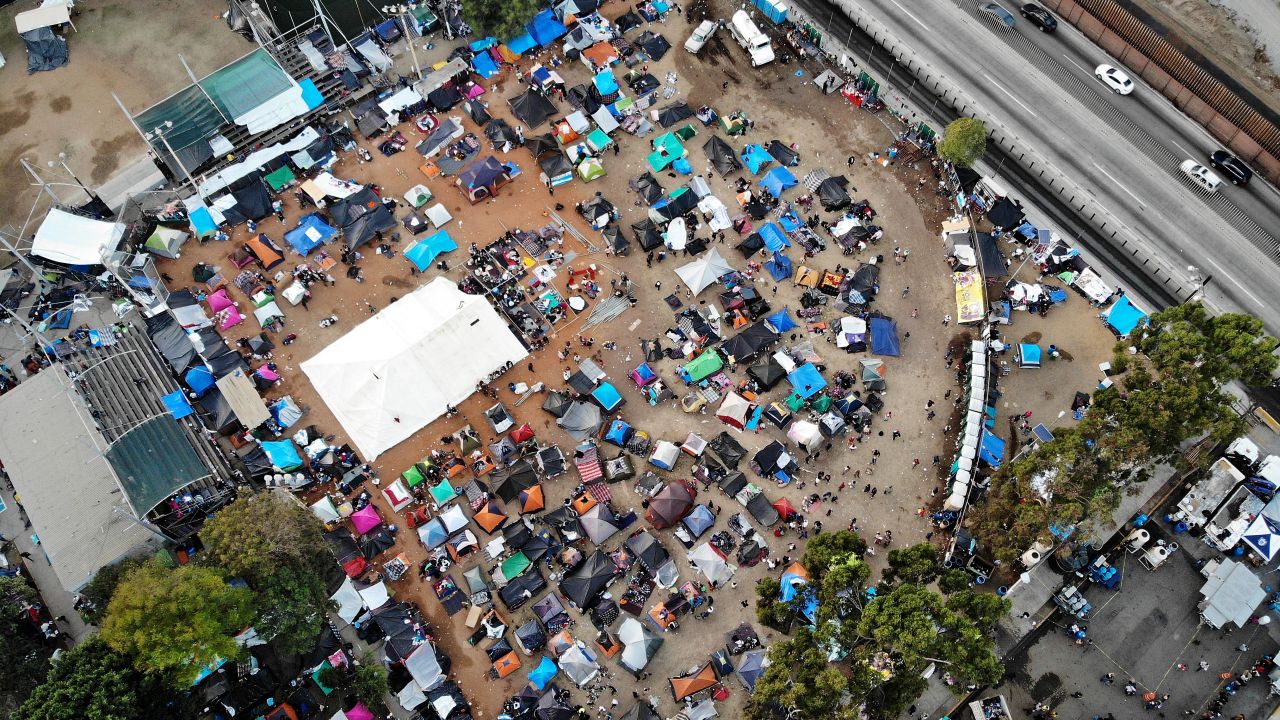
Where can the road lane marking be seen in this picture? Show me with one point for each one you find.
(1185, 151)
(1222, 273)
(999, 87)
(908, 14)
(1121, 186)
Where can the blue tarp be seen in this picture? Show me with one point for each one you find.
(311, 233)
(699, 520)
(1123, 316)
(542, 675)
(425, 251)
(781, 321)
(605, 82)
(484, 65)
(795, 588)
(774, 238)
(806, 380)
(682, 166)
(546, 28)
(199, 379)
(483, 44)
(607, 396)
(202, 222)
(311, 94)
(521, 43)
(991, 451)
(1029, 354)
(884, 337)
(284, 456)
(619, 433)
(777, 181)
(177, 405)
(779, 267)
(789, 220)
(755, 158)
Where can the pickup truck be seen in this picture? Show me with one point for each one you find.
(700, 36)
(755, 42)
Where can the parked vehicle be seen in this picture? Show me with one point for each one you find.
(1236, 172)
(1039, 17)
(700, 36)
(756, 43)
(1201, 175)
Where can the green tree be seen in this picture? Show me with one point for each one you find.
(769, 609)
(104, 582)
(369, 681)
(175, 621)
(916, 564)
(94, 682)
(953, 580)
(24, 658)
(799, 679)
(828, 549)
(294, 603)
(500, 18)
(963, 142)
(253, 536)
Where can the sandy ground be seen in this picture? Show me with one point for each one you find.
(120, 47)
(827, 130)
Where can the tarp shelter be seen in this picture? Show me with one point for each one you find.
(884, 337)
(991, 450)
(360, 217)
(704, 271)
(312, 232)
(46, 50)
(777, 181)
(667, 149)
(639, 644)
(532, 108)
(239, 392)
(424, 666)
(545, 28)
(768, 372)
(71, 239)
(402, 368)
(1231, 593)
(832, 193)
(722, 157)
(756, 157)
(542, 675)
(581, 420)
(779, 267)
(674, 114)
(1123, 316)
(751, 667)
(670, 504)
(424, 252)
(806, 381)
(584, 585)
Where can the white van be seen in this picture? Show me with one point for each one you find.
(1201, 175)
(751, 39)
(700, 36)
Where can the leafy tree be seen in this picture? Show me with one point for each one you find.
(827, 549)
(253, 536)
(94, 682)
(800, 679)
(953, 580)
(984, 609)
(963, 142)
(769, 609)
(24, 658)
(369, 681)
(294, 603)
(916, 564)
(104, 582)
(176, 620)
(500, 18)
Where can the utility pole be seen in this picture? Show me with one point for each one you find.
(62, 160)
(8, 245)
(399, 11)
(40, 181)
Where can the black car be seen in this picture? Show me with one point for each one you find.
(1039, 17)
(1232, 167)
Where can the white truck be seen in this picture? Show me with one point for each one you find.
(756, 43)
(700, 36)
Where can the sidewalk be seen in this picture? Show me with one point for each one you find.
(56, 599)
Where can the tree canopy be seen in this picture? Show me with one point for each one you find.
(25, 656)
(503, 19)
(94, 682)
(293, 601)
(1169, 392)
(172, 622)
(963, 142)
(259, 532)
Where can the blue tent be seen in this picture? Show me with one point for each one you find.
(284, 456)
(199, 379)
(311, 233)
(483, 44)
(806, 380)
(607, 397)
(484, 65)
(435, 534)
(545, 28)
(177, 405)
(779, 266)
(1123, 316)
(884, 337)
(778, 181)
(789, 220)
(619, 433)
(755, 158)
(682, 166)
(699, 520)
(1028, 355)
(795, 588)
(774, 238)
(425, 251)
(521, 43)
(202, 222)
(542, 675)
(781, 321)
(605, 82)
(991, 451)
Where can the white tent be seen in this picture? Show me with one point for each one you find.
(578, 666)
(375, 596)
(708, 561)
(734, 410)
(425, 667)
(1231, 593)
(438, 215)
(325, 510)
(677, 235)
(348, 600)
(703, 272)
(639, 644)
(74, 240)
(805, 434)
(397, 371)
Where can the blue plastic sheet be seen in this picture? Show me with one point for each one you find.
(755, 158)
(884, 337)
(779, 267)
(605, 82)
(1123, 316)
(284, 455)
(774, 239)
(199, 379)
(425, 251)
(484, 65)
(992, 449)
(521, 43)
(777, 181)
(311, 233)
(177, 405)
(545, 28)
(806, 380)
(542, 675)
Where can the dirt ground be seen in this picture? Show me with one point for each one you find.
(121, 47)
(828, 131)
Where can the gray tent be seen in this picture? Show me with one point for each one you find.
(639, 645)
(46, 50)
(557, 403)
(648, 551)
(581, 420)
(752, 667)
(647, 187)
(722, 156)
(584, 585)
(598, 523)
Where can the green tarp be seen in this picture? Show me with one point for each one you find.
(515, 566)
(666, 150)
(153, 461)
(703, 365)
(280, 178)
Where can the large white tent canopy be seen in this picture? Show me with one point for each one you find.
(74, 240)
(402, 368)
(705, 271)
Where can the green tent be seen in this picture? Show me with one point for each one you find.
(687, 132)
(733, 124)
(427, 20)
(795, 402)
(590, 169)
(413, 476)
(280, 179)
(821, 404)
(166, 242)
(443, 493)
(666, 150)
(515, 566)
(599, 140)
(702, 366)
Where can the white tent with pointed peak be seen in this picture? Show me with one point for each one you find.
(705, 271)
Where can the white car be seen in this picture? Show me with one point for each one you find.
(1119, 83)
(701, 35)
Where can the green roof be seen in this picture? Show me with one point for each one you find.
(153, 461)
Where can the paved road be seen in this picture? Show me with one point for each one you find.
(1121, 150)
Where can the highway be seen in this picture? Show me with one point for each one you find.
(1123, 150)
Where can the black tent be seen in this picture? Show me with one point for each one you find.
(673, 114)
(751, 245)
(767, 372)
(832, 193)
(541, 145)
(732, 483)
(647, 187)
(722, 156)
(538, 546)
(532, 108)
(648, 551)
(557, 403)
(727, 449)
(46, 50)
(517, 535)
(219, 417)
(584, 585)
(375, 543)
(396, 624)
(1005, 214)
(326, 644)
(618, 243)
(500, 133)
(531, 636)
(555, 164)
(628, 21)
(968, 177)
(676, 205)
(646, 234)
(444, 98)
(507, 482)
(864, 282)
(762, 510)
(644, 83)
(769, 458)
(737, 347)
(521, 589)
(654, 45)
(993, 265)
(252, 200)
(477, 112)
(783, 153)
(595, 208)
(760, 336)
(361, 217)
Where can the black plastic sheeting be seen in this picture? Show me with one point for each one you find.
(360, 217)
(993, 265)
(727, 449)
(832, 193)
(477, 112)
(171, 340)
(647, 187)
(783, 153)
(722, 156)
(532, 108)
(46, 50)
(654, 45)
(674, 114)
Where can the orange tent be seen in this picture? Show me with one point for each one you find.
(583, 503)
(683, 687)
(602, 54)
(490, 517)
(506, 664)
(264, 250)
(532, 499)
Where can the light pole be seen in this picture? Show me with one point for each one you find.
(161, 131)
(62, 160)
(398, 11)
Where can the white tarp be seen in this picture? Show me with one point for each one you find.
(402, 368)
(276, 111)
(375, 596)
(371, 52)
(74, 240)
(425, 667)
(326, 185)
(804, 434)
(411, 696)
(708, 561)
(348, 601)
(604, 119)
(43, 16)
(1231, 593)
(677, 235)
(228, 175)
(715, 212)
(703, 272)
(402, 99)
